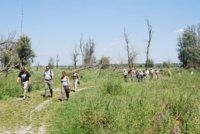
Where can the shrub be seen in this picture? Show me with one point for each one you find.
(112, 87)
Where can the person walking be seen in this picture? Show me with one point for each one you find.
(157, 74)
(75, 80)
(65, 88)
(48, 77)
(24, 77)
(125, 74)
(131, 72)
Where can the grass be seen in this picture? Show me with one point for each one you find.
(163, 106)
(109, 105)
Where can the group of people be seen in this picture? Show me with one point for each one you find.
(24, 77)
(140, 74)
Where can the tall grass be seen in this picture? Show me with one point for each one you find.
(163, 106)
(170, 104)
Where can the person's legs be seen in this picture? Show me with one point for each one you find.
(22, 88)
(25, 87)
(62, 94)
(75, 84)
(131, 77)
(51, 89)
(46, 89)
(125, 78)
(67, 91)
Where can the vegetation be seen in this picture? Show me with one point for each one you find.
(150, 32)
(104, 62)
(163, 106)
(25, 52)
(189, 47)
(15, 53)
(87, 49)
(109, 105)
(131, 53)
(149, 63)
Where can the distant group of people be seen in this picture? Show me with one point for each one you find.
(131, 73)
(24, 77)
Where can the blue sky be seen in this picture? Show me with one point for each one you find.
(55, 26)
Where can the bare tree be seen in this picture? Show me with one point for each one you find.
(131, 54)
(149, 28)
(8, 54)
(81, 44)
(75, 57)
(57, 60)
(87, 51)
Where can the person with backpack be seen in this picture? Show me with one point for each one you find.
(25, 78)
(48, 77)
(65, 88)
(76, 81)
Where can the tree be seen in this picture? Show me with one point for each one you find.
(149, 28)
(150, 63)
(57, 60)
(81, 44)
(87, 50)
(189, 47)
(104, 62)
(75, 57)
(8, 54)
(51, 62)
(24, 50)
(166, 64)
(131, 55)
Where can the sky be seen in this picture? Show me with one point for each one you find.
(55, 26)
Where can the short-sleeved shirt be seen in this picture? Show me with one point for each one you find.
(24, 76)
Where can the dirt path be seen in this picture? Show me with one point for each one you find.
(31, 109)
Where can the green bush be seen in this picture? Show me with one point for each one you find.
(112, 87)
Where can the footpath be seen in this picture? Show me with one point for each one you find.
(30, 116)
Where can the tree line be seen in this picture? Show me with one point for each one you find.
(15, 53)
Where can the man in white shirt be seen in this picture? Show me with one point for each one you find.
(48, 77)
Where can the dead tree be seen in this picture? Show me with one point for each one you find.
(149, 28)
(131, 54)
(57, 60)
(87, 51)
(75, 57)
(81, 45)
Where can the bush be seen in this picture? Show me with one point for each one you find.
(112, 87)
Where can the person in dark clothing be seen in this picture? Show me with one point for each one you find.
(25, 78)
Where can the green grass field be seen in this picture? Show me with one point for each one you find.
(107, 105)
